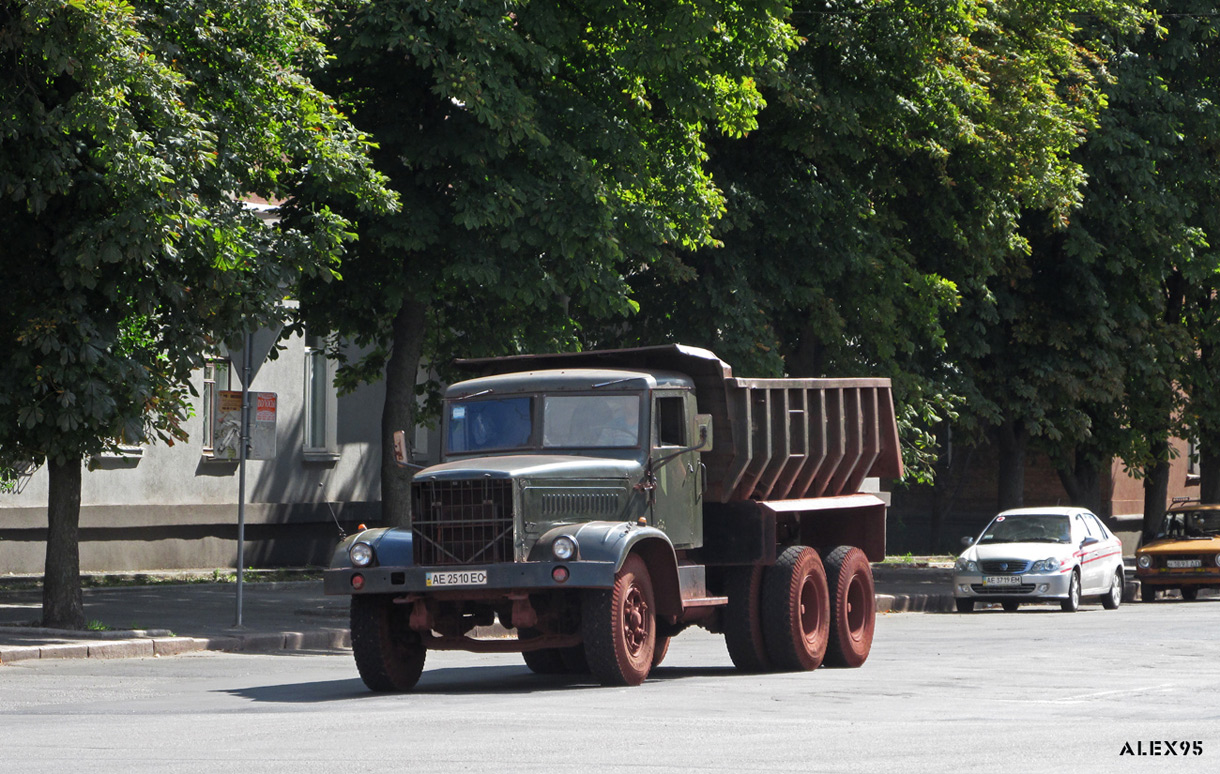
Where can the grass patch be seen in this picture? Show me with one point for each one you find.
(121, 579)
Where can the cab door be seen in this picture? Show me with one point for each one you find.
(677, 498)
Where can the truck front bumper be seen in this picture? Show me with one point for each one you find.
(469, 581)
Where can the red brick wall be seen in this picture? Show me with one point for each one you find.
(965, 498)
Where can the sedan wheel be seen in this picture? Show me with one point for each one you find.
(1112, 600)
(964, 605)
(1072, 603)
(1010, 605)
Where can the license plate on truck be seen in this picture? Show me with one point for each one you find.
(456, 578)
(1002, 580)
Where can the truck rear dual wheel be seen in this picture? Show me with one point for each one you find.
(743, 629)
(796, 610)
(853, 606)
(619, 626)
(389, 655)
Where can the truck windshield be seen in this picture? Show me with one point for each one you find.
(591, 421)
(1028, 528)
(480, 425)
(1190, 524)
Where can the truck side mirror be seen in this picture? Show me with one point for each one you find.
(402, 451)
(703, 432)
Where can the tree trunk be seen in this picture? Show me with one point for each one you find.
(1209, 475)
(1083, 485)
(62, 603)
(402, 370)
(1012, 438)
(806, 360)
(1156, 493)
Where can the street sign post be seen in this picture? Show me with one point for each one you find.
(243, 351)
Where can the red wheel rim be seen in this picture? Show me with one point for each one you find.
(857, 606)
(811, 611)
(635, 621)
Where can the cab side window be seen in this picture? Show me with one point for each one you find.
(670, 422)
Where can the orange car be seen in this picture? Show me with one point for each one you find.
(1185, 555)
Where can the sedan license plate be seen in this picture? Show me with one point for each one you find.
(1182, 564)
(1002, 580)
(456, 578)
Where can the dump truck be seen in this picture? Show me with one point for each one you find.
(595, 504)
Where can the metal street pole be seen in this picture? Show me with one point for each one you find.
(243, 452)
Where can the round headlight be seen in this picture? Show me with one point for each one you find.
(361, 554)
(564, 548)
(1145, 561)
(1218, 560)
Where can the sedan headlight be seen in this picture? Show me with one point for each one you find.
(564, 548)
(1145, 561)
(361, 554)
(966, 565)
(1050, 564)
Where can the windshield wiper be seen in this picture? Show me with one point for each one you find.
(474, 395)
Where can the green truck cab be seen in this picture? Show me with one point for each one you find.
(598, 503)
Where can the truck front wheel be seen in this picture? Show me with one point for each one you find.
(619, 626)
(796, 610)
(389, 655)
(853, 606)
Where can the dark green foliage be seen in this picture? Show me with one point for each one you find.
(126, 132)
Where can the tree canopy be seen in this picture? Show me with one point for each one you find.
(545, 152)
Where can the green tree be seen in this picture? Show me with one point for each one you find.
(544, 151)
(126, 132)
(881, 196)
(1149, 223)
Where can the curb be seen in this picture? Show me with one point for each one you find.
(154, 644)
(915, 603)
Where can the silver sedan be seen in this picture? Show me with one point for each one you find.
(1040, 554)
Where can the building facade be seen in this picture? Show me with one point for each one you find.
(176, 507)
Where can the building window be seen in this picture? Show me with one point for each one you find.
(216, 373)
(321, 402)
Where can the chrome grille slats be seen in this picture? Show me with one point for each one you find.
(462, 522)
(1005, 565)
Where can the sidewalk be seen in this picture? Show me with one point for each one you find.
(168, 619)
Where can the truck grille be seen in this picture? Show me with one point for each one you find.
(462, 522)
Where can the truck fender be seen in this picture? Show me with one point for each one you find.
(607, 541)
(392, 547)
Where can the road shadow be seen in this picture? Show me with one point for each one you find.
(456, 681)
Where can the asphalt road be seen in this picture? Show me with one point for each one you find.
(1037, 691)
